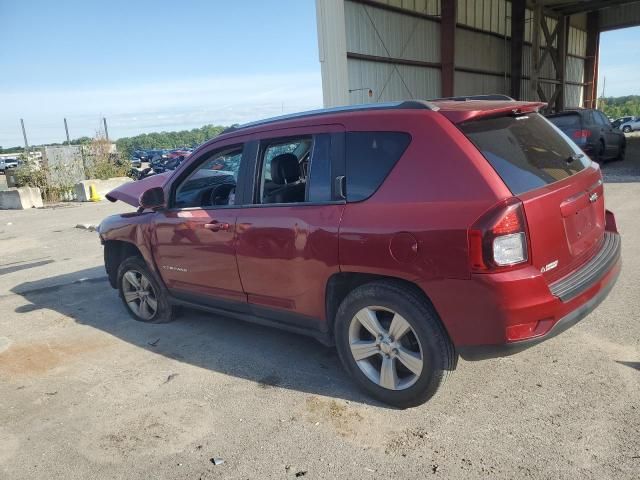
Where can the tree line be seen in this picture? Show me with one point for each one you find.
(183, 138)
(616, 107)
(147, 141)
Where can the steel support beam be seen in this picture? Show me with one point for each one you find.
(447, 47)
(518, 8)
(561, 63)
(590, 93)
(535, 50)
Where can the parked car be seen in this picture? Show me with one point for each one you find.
(619, 121)
(405, 234)
(592, 132)
(135, 162)
(6, 163)
(631, 125)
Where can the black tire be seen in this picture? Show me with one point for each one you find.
(622, 151)
(626, 129)
(438, 353)
(601, 151)
(163, 311)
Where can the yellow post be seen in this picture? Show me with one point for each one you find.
(93, 194)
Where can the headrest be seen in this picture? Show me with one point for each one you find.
(285, 169)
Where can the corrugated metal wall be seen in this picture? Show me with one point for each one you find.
(620, 16)
(392, 82)
(482, 56)
(429, 7)
(486, 15)
(388, 34)
(373, 31)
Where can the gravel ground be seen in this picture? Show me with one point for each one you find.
(85, 392)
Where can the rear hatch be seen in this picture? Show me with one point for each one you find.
(560, 188)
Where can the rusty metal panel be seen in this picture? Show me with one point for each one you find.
(374, 31)
(391, 82)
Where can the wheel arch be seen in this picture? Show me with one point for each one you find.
(115, 251)
(340, 284)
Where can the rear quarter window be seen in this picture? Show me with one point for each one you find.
(370, 156)
(527, 152)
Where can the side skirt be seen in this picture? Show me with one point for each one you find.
(323, 337)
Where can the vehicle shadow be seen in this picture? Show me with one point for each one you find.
(269, 357)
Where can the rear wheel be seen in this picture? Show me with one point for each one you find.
(622, 151)
(141, 294)
(392, 343)
(601, 150)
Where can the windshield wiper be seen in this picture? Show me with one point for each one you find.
(574, 157)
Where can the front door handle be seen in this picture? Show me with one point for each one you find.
(217, 226)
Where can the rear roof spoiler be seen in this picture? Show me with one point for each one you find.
(492, 96)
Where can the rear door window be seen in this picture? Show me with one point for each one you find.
(527, 152)
(370, 158)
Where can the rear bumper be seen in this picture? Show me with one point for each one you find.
(506, 313)
(482, 352)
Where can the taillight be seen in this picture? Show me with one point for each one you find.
(581, 134)
(498, 239)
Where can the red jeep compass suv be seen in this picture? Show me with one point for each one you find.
(406, 234)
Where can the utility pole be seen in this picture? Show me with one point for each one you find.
(604, 84)
(24, 134)
(106, 132)
(66, 129)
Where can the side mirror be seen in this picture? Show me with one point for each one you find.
(152, 198)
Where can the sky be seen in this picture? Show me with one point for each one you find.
(172, 65)
(619, 62)
(152, 65)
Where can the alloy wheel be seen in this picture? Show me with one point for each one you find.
(385, 348)
(139, 294)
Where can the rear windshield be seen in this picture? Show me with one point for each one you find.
(527, 152)
(566, 121)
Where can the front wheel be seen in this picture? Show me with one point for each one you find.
(392, 343)
(141, 293)
(626, 129)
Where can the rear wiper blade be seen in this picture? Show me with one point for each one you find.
(574, 157)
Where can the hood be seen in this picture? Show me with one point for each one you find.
(130, 192)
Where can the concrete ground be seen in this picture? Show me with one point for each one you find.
(86, 392)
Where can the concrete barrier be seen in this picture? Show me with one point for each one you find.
(81, 189)
(20, 198)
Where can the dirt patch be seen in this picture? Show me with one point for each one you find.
(341, 416)
(39, 358)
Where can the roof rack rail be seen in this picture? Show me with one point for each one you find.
(404, 105)
(492, 96)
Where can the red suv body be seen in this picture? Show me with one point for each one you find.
(404, 233)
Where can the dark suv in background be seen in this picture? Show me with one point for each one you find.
(406, 234)
(592, 132)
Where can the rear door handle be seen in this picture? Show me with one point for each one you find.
(217, 226)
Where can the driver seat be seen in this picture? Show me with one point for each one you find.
(285, 171)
